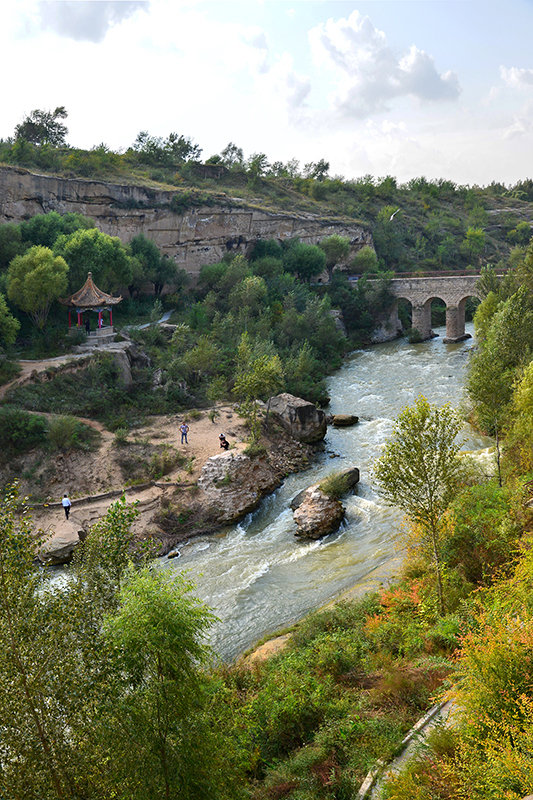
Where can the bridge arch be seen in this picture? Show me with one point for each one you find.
(420, 292)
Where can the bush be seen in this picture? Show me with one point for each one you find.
(8, 371)
(164, 462)
(68, 433)
(20, 431)
(336, 485)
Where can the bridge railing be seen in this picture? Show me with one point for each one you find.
(471, 273)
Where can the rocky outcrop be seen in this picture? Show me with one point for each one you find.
(317, 510)
(301, 419)
(346, 481)
(192, 237)
(59, 547)
(317, 514)
(233, 484)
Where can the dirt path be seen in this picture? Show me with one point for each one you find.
(29, 367)
(100, 472)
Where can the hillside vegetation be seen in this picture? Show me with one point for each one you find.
(436, 224)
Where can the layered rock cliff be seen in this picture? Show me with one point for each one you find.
(193, 237)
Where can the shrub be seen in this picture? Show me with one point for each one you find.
(8, 371)
(68, 433)
(164, 462)
(336, 485)
(20, 431)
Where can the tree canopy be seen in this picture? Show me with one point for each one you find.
(91, 250)
(35, 280)
(43, 127)
(419, 470)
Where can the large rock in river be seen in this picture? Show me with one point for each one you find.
(344, 420)
(317, 514)
(233, 484)
(59, 547)
(303, 420)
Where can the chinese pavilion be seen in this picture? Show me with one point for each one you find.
(91, 298)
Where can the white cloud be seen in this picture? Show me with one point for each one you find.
(517, 78)
(522, 124)
(85, 20)
(369, 74)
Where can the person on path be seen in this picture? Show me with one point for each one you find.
(184, 428)
(223, 442)
(66, 505)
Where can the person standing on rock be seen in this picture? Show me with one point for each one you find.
(66, 505)
(184, 428)
(223, 441)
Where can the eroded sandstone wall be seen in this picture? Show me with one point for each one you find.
(193, 237)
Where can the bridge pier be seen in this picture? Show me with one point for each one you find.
(455, 323)
(421, 320)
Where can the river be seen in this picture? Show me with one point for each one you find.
(256, 576)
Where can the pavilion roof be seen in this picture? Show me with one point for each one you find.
(90, 296)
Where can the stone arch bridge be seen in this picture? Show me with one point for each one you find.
(420, 292)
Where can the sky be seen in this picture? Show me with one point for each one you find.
(440, 88)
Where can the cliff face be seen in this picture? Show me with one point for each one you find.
(193, 237)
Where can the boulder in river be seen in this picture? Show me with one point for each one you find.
(233, 484)
(317, 514)
(59, 547)
(303, 420)
(344, 420)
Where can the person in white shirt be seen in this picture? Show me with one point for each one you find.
(66, 505)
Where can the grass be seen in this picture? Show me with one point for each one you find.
(336, 485)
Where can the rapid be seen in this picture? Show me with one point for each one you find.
(256, 576)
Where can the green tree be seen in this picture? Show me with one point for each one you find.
(249, 295)
(259, 376)
(159, 741)
(473, 244)
(336, 249)
(519, 440)
(9, 326)
(43, 127)
(304, 260)
(169, 152)
(232, 156)
(521, 234)
(202, 360)
(91, 250)
(103, 691)
(44, 229)
(316, 170)
(484, 315)
(11, 244)
(54, 667)
(365, 260)
(419, 472)
(488, 281)
(35, 280)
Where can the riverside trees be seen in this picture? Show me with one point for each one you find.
(419, 472)
(103, 691)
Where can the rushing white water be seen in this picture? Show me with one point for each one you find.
(257, 576)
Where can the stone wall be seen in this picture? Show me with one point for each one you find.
(193, 237)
